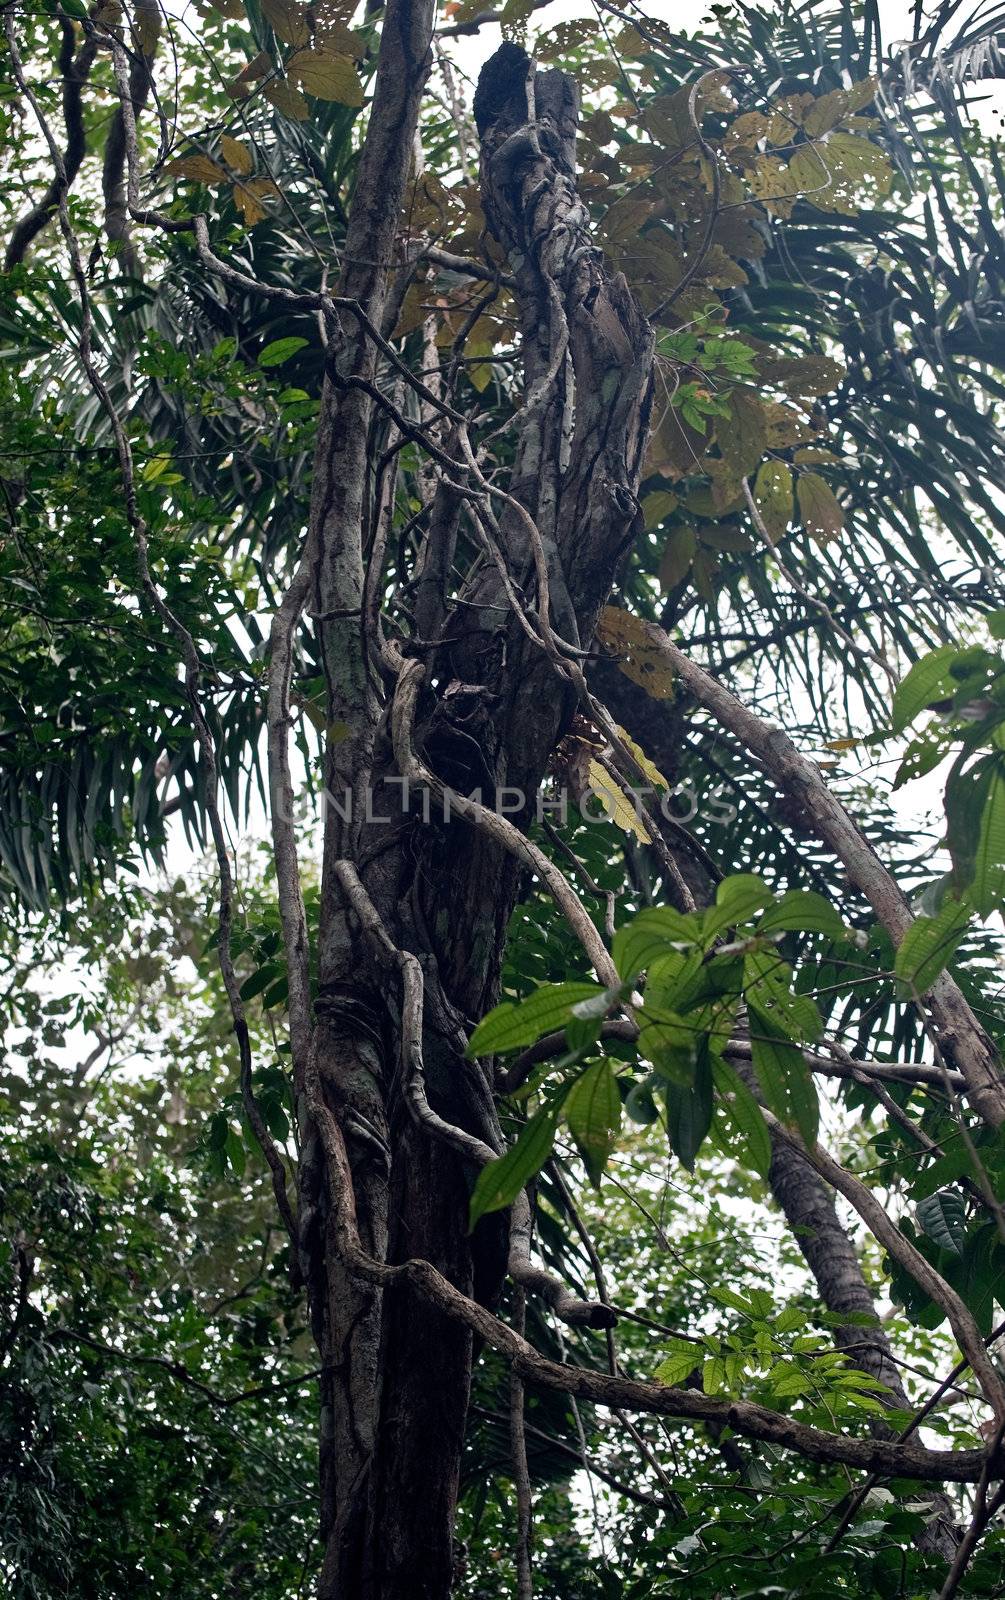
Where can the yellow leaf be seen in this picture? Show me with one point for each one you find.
(772, 182)
(651, 771)
(744, 439)
(327, 76)
(656, 507)
(617, 805)
(814, 456)
(773, 497)
(199, 169)
(287, 100)
(841, 744)
(237, 155)
(637, 645)
(248, 197)
(786, 427)
(802, 375)
(826, 113)
(822, 517)
(841, 172)
(746, 130)
(287, 20)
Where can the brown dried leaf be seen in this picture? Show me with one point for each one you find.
(287, 20)
(248, 198)
(147, 25)
(237, 155)
(240, 88)
(287, 100)
(198, 169)
(327, 76)
(637, 645)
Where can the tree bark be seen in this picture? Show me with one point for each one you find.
(397, 1370)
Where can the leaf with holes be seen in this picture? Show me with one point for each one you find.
(287, 20)
(773, 497)
(637, 644)
(821, 515)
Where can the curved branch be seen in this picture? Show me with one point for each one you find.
(74, 69)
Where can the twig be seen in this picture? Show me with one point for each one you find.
(521, 1475)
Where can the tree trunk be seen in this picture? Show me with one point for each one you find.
(396, 1372)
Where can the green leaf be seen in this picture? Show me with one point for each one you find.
(930, 944)
(783, 1075)
(592, 1110)
(261, 979)
(689, 1110)
(929, 679)
(281, 350)
(767, 983)
(640, 1104)
(679, 1362)
(649, 935)
(987, 886)
(746, 1117)
(511, 1026)
(735, 1302)
(943, 1216)
(678, 554)
(802, 911)
(500, 1181)
(236, 1154)
(737, 900)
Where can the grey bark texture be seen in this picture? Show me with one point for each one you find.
(397, 1369)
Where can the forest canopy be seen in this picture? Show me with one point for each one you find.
(502, 800)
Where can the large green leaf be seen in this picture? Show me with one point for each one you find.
(500, 1181)
(512, 1025)
(592, 1109)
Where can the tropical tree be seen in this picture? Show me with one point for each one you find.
(420, 476)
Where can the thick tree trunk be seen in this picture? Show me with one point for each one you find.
(397, 1374)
